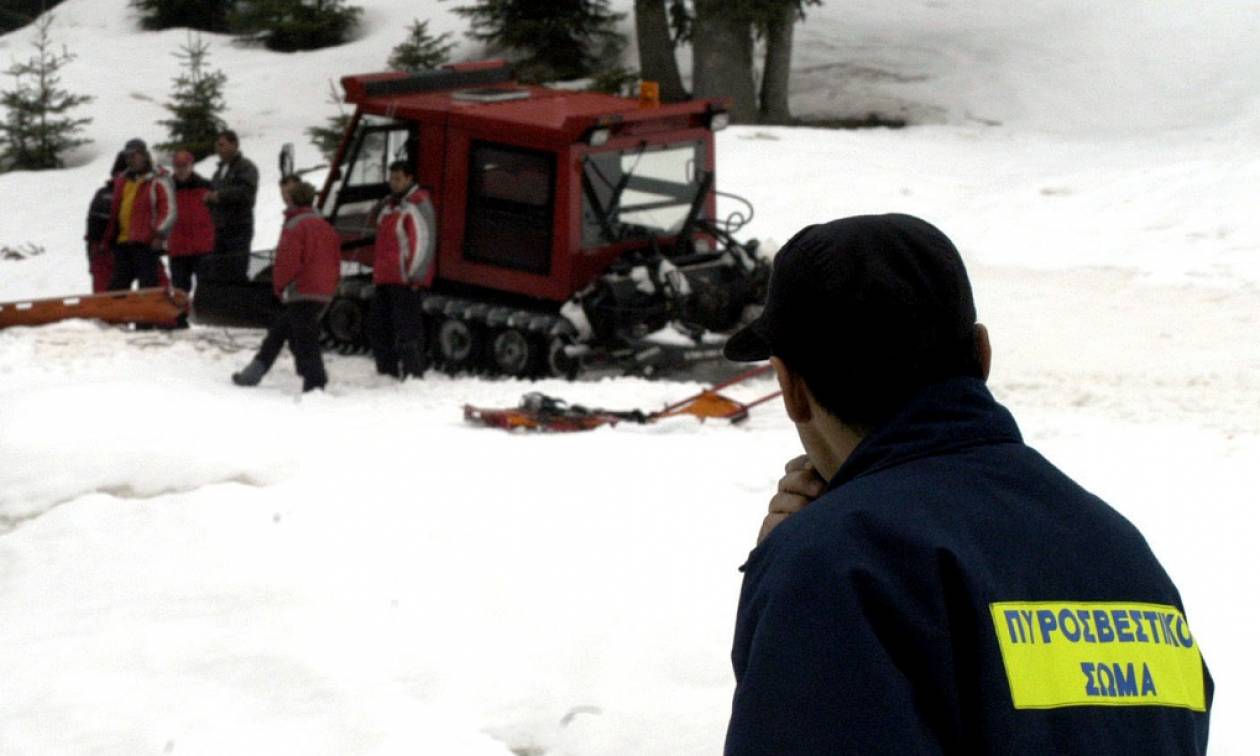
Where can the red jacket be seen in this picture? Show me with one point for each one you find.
(405, 240)
(152, 213)
(193, 233)
(308, 259)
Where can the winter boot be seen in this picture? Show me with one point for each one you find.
(313, 376)
(251, 375)
(413, 359)
(386, 366)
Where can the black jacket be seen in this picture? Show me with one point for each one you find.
(236, 184)
(953, 592)
(99, 213)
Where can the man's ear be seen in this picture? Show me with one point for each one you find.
(984, 350)
(795, 392)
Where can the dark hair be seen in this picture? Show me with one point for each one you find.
(301, 193)
(120, 164)
(231, 136)
(403, 167)
(864, 389)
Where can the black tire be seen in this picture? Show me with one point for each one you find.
(346, 322)
(560, 364)
(457, 344)
(513, 353)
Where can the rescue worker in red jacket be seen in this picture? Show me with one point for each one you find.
(305, 277)
(140, 220)
(192, 238)
(403, 262)
(193, 235)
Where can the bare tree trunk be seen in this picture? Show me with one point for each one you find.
(778, 71)
(656, 49)
(722, 47)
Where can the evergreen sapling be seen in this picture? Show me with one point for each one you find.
(204, 15)
(38, 129)
(196, 103)
(327, 138)
(421, 51)
(290, 25)
(552, 41)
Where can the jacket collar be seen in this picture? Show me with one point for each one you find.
(292, 212)
(396, 198)
(946, 416)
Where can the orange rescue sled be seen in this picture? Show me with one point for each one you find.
(156, 306)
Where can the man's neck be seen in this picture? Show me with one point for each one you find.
(828, 446)
(828, 441)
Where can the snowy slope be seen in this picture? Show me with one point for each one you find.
(189, 568)
(1137, 124)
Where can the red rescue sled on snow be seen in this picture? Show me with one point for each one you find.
(546, 413)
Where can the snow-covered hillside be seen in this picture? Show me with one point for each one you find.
(186, 567)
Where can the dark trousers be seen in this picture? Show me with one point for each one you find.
(396, 331)
(298, 324)
(134, 262)
(183, 268)
(234, 242)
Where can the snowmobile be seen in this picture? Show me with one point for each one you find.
(575, 230)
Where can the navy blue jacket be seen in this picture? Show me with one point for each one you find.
(953, 592)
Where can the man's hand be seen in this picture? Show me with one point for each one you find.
(799, 485)
(210, 198)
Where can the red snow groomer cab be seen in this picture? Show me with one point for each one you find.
(572, 227)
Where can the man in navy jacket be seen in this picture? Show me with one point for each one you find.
(925, 582)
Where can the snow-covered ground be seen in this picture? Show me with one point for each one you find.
(186, 567)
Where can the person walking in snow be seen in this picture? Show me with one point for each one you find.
(234, 188)
(192, 238)
(403, 263)
(924, 582)
(142, 214)
(304, 277)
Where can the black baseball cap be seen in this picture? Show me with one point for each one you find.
(875, 294)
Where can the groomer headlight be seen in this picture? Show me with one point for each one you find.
(598, 137)
(718, 120)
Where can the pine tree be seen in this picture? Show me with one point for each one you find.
(328, 138)
(196, 102)
(14, 14)
(551, 39)
(421, 51)
(37, 129)
(204, 15)
(289, 25)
